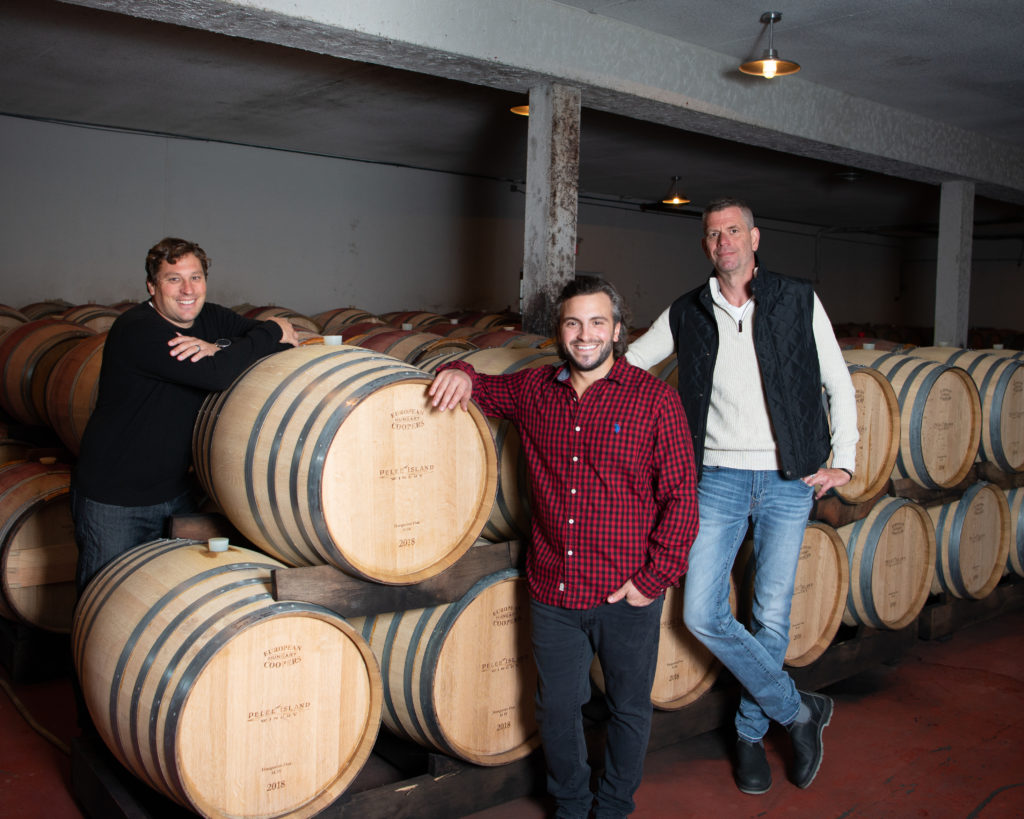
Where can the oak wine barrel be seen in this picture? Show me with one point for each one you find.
(1000, 383)
(509, 518)
(819, 592)
(332, 322)
(1004, 352)
(482, 320)
(354, 332)
(411, 346)
(28, 355)
(685, 668)
(332, 454)
(460, 677)
(1015, 554)
(50, 308)
(297, 320)
(37, 545)
(667, 370)
(11, 318)
(416, 319)
(96, 317)
(507, 337)
(972, 536)
(213, 693)
(940, 416)
(878, 425)
(72, 388)
(891, 556)
(871, 343)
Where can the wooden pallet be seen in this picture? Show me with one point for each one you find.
(944, 614)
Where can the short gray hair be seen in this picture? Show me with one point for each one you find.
(723, 203)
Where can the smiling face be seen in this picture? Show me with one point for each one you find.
(730, 241)
(586, 332)
(180, 290)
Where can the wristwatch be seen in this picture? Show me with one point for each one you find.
(223, 342)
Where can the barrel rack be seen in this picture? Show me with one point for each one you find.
(404, 780)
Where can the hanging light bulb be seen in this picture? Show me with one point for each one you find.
(674, 195)
(770, 65)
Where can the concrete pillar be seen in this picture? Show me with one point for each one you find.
(552, 184)
(953, 269)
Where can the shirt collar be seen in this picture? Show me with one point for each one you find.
(621, 372)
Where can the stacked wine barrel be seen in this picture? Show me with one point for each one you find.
(210, 691)
(329, 454)
(924, 420)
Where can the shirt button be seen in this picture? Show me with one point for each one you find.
(561, 586)
(575, 458)
(571, 521)
(577, 429)
(569, 553)
(572, 491)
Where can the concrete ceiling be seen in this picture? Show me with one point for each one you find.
(958, 64)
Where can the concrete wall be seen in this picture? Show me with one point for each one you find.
(81, 206)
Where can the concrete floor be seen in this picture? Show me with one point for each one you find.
(940, 734)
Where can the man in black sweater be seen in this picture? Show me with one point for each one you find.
(160, 360)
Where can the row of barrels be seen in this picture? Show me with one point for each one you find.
(361, 374)
(49, 366)
(940, 420)
(336, 320)
(173, 633)
(910, 336)
(344, 415)
(928, 414)
(331, 454)
(348, 320)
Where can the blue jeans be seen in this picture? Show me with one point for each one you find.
(104, 531)
(625, 639)
(778, 509)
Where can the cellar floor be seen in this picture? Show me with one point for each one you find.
(939, 734)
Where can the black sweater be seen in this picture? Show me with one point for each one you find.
(137, 446)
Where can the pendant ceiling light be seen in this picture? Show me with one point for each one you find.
(770, 65)
(674, 195)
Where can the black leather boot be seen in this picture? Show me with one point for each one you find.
(806, 738)
(752, 772)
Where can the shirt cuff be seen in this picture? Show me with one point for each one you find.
(647, 586)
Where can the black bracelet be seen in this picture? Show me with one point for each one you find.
(847, 471)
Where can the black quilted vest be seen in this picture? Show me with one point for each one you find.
(786, 355)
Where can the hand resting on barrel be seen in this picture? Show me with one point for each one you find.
(450, 389)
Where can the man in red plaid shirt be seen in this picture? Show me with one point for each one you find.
(614, 507)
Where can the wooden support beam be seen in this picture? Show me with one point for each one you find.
(552, 189)
(953, 271)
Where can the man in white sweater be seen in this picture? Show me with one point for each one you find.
(756, 353)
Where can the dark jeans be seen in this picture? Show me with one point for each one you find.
(104, 531)
(625, 639)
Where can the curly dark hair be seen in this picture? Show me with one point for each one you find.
(170, 250)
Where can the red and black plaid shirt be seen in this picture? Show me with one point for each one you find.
(612, 475)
